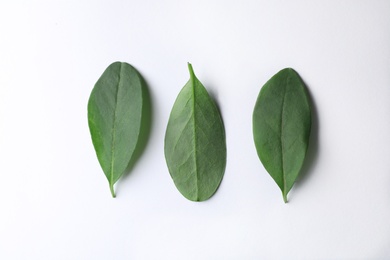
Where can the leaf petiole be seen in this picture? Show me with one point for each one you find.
(112, 190)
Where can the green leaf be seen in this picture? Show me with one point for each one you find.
(114, 118)
(281, 127)
(195, 145)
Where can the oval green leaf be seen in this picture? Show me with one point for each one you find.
(195, 143)
(114, 118)
(281, 127)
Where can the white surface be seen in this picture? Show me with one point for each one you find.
(55, 201)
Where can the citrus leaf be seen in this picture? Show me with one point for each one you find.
(281, 127)
(195, 145)
(114, 118)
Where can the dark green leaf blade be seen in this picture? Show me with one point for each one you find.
(114, 118)
(281, 127)
(195, 143)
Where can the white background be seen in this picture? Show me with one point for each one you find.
(54, 198)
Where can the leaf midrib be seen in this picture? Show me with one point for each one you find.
(113, 131)
(282, 140)
(193, 80)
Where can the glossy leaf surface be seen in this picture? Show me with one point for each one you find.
(114, 118)
(281, 127)
(195, 145)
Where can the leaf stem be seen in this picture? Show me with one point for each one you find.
(112, 190)
(192, 74)
(285, 197)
